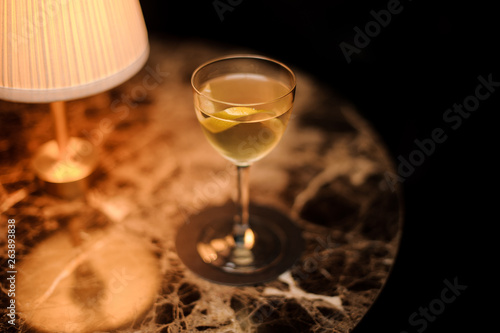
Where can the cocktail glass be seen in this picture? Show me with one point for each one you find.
(243, 103)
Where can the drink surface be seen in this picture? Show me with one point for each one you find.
(244, 132)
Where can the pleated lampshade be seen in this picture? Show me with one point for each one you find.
(58, 50)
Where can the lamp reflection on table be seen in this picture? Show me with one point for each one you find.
(110, 279)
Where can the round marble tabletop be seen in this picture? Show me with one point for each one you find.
(330, 173)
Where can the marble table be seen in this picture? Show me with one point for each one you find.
(107, 261)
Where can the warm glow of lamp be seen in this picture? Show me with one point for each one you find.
(58, 50)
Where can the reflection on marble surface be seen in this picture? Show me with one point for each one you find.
(156, 170)
(103, 283)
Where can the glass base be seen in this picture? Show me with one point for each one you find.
(206, 245)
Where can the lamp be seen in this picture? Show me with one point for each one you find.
(53, 51)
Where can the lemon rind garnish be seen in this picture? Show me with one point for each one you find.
(224, 120)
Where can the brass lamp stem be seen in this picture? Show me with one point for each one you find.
(58, 110)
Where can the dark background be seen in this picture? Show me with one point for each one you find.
(426, 59)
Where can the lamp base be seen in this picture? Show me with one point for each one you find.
(65, 176)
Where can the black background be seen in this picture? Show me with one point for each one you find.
(425, 60)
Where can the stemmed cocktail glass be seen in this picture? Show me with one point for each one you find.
(243, 103)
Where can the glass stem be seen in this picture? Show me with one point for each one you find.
(242, 202)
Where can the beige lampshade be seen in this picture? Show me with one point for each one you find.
(57, 50)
